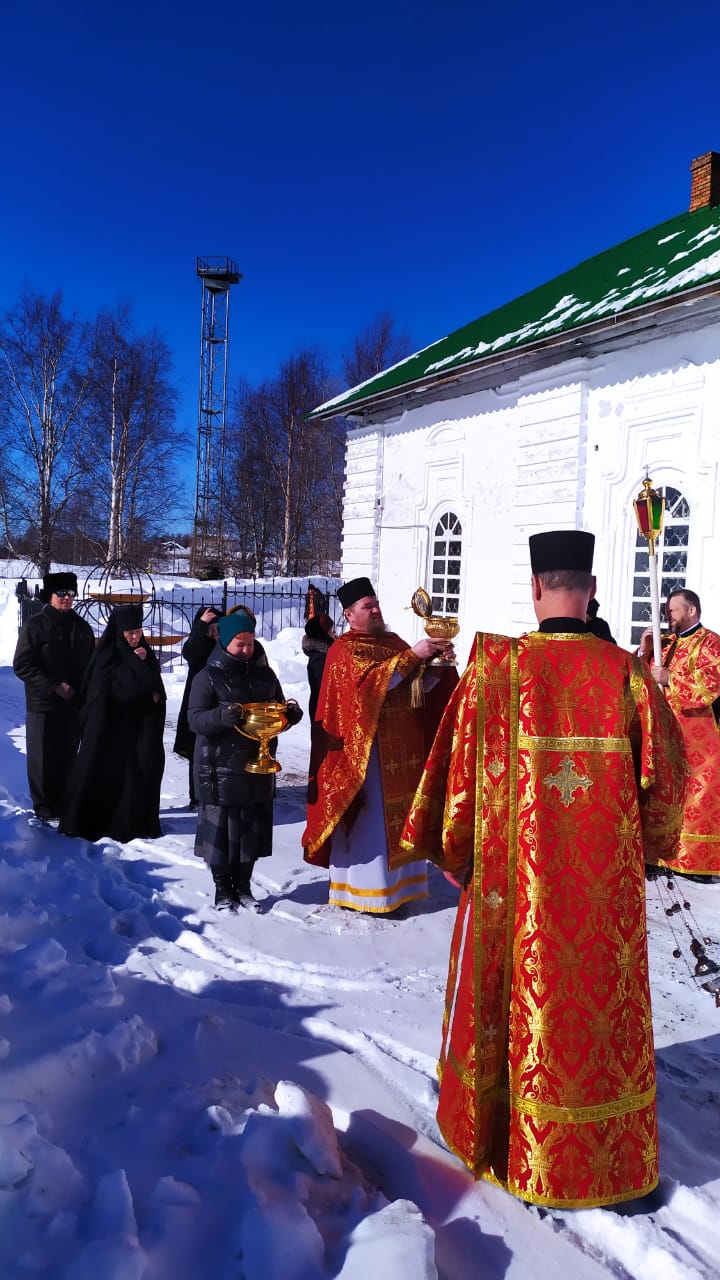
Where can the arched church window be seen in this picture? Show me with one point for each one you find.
(672, 549)
(446, 555)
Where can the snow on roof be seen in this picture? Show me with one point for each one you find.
(672, 258)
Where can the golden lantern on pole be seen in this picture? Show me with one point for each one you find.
(649, 510)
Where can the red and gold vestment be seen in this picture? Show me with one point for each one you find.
(555, 772)
(693, 661)
(356, 705)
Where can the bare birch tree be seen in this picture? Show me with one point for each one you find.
(375, 349)
(252, 500)
(134, 441)
(281, 468)
(43, 389)
(285, 469)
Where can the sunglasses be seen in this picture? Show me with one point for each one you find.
(63, 595)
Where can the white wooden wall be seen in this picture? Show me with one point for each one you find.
(563, 449)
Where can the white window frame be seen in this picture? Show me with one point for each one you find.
(445, 582)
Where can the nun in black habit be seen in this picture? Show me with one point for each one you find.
(115, 785)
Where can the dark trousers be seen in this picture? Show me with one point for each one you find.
(52, 739)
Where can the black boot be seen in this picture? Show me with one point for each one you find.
(241, 882)
(225, 899)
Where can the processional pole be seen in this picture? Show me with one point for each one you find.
(649, 508)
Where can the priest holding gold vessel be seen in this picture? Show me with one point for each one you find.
(376, 716)
(236, 709)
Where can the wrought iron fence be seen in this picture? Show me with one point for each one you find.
(169, 611)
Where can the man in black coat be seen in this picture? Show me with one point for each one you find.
(52, 655)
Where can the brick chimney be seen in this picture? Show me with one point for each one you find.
(705, 181)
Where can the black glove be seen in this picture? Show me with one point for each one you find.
(293, 711)
(231, 716)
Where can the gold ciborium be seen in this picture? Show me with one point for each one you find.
(436, 626)
(261, 722)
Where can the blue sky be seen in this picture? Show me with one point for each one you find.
(431, 159)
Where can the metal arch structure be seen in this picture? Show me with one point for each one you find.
(217, 275)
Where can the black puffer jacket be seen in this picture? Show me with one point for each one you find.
(196, 651)
(221, 753)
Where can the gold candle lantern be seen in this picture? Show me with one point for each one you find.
(649, 510)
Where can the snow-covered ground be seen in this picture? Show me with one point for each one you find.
(186, 1095)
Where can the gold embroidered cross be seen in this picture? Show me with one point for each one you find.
(567, 781)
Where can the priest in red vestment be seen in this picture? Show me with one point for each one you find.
(555, 773)
(375, 720)
(690, 678)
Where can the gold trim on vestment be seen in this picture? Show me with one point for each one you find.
(376, 893)
(472, 1081)
(553, 1202)
(548, 1110)
(539, 637)
(637, 680)
(583, 1115)
(528, 742)
(477, 892)
(380, 911)
(550, 1202)
(512, 849)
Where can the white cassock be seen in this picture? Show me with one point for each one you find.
(359, 874)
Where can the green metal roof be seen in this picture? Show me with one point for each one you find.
(677, 256)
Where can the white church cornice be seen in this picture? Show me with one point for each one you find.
(551, 356)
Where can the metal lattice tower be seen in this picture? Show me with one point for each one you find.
(208, 544)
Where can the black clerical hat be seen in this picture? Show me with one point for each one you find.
(562, 549)
(357, 589)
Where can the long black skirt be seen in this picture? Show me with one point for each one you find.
(228, 835)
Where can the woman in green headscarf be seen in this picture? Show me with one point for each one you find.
(235, 808)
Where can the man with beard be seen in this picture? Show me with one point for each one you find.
(690, 678)
(368, 755)
(52, 655)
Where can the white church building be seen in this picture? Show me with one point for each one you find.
(546, 414)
